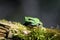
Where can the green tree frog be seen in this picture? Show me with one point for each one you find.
(30, 21)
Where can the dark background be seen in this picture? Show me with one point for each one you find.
(47, 10)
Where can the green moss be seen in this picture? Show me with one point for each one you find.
(36, 33)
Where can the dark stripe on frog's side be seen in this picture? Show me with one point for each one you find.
(27, 23)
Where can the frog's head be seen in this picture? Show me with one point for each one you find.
(33, 21)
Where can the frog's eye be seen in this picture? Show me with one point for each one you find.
(29, 19)
(39, 24)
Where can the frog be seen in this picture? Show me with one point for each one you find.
(32, 21)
